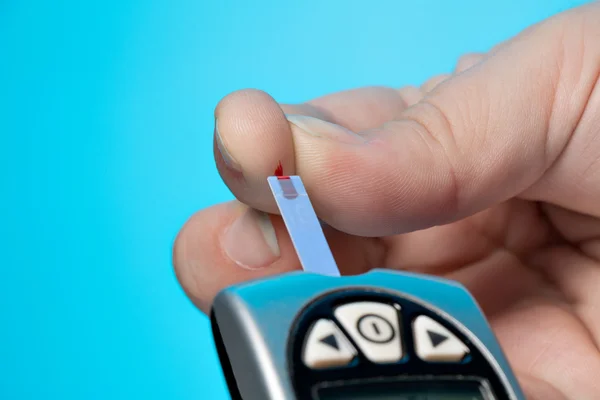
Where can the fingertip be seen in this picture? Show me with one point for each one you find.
(231, 243)
(254, 141)
(227, 244)
(246, 116)
(193, 248)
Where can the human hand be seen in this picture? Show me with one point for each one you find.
(490, 176)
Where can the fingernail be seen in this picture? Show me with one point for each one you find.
(251, 241)
(225, 154)
(318, 128)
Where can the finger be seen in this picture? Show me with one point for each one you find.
(536, 334)
(411, 95)
(513, 226)
(468, 61)
(231, 243)
(360, 109)
(579, 282)
(483, 136)
(580, 230)
(537, 389)
(253, 139)
(432, 83)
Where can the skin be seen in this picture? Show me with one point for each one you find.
(489, 175)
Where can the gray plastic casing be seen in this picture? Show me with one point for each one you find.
(255, 319)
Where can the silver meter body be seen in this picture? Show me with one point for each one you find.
(382, 335)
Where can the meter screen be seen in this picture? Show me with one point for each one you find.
(411, 390)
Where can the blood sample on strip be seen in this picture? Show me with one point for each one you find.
(303, 225)
(289, 191)
(279, 169)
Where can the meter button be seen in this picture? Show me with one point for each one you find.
(374, 327)
(434, 342)
(326, 346)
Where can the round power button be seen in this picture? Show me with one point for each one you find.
(375, 328)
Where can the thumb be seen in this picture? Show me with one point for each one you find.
(481, 137)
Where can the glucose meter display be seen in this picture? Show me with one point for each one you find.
(449, 390)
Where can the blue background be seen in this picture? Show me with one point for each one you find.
(106, 122)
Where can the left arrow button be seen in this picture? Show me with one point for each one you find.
(331, 341)
(326, 346)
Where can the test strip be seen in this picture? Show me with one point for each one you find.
(303, 226)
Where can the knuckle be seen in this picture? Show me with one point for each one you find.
(438, 130)
(434, 82)
(411, 95)
(573, 60)
(468, 60)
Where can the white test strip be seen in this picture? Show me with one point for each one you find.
(303, 226)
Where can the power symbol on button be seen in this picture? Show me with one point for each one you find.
(375, 329)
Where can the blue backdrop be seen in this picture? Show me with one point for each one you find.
(106, 118)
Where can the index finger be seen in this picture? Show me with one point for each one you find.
(253, 137)
(481, 137)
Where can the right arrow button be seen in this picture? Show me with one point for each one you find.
(436, 338)
(433, 342)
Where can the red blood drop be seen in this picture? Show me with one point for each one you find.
(279, 170)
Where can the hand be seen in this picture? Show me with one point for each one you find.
(490, 176)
